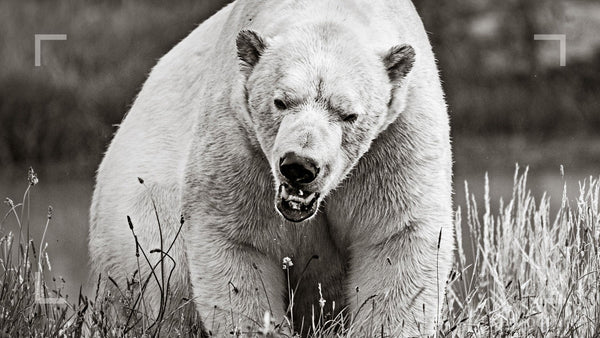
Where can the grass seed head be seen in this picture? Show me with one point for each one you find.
(32, 177)
(287, 263)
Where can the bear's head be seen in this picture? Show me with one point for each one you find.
(317, 97)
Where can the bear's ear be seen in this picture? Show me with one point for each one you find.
(250, 47)
(399, 61)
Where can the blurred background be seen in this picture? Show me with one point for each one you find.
(509, 99)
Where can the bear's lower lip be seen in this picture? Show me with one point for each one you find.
(296, 205)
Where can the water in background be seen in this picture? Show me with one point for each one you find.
(67, 231)
(70, 199)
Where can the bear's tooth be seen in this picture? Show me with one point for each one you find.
(300, 192)
(297, 199)
(284, 192)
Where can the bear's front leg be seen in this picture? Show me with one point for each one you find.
(397, 284)
(233, 285)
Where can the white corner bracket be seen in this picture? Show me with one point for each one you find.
(38, 44)
(556, 37)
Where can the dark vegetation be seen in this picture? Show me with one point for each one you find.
(66, 110)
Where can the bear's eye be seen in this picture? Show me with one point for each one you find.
(280, 104)
(350, 118)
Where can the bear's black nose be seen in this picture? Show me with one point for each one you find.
(298, 169)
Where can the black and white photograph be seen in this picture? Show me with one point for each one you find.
(300, 168)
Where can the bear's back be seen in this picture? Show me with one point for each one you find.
(152, 143)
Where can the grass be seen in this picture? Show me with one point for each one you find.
(523, 268)
(534, 272)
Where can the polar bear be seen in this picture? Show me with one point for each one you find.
(289, 128)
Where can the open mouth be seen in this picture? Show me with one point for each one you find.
(295, 204)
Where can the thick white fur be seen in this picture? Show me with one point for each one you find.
(190, 137)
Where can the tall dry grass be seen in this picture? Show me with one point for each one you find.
(523, 269)
(532, 271)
